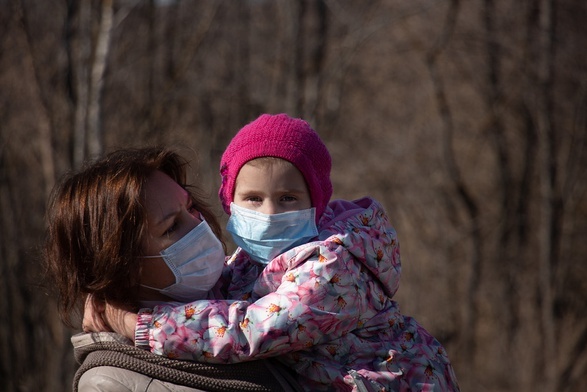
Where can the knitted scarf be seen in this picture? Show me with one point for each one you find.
(259, 375)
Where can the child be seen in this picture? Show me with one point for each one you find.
(312, 280)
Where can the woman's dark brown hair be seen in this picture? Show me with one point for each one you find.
(96, 220)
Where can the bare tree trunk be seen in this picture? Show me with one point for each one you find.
(299, 63)
(469, 324)
(190, 49)
(44, 140)
(288, 61)
(95, 139)
(547, 148)
(242, 63)
(9, 258)
(84, 51)
(70, 32)
(507, 271)
(151, 65)
(177, 64)
(314, 77)
(524, 230)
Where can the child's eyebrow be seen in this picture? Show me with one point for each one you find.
(293, 189)
(246, 190)
(247, 193)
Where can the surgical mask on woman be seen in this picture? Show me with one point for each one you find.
(196, 260)
(265, 236)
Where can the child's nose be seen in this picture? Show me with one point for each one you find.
(269, 208)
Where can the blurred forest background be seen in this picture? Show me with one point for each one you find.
(466, 119)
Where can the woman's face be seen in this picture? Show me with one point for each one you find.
(170, 216)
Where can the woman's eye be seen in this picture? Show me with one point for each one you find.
(171, 229)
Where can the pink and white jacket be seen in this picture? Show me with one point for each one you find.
(324, 308)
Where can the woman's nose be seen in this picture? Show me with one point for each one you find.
(192, 219)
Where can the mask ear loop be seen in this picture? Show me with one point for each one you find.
(159, 290)
(151, 287)
(147, 286)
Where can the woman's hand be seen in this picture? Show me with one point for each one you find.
(101, 316)
(94, 320)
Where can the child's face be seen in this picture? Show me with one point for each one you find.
(271, 187)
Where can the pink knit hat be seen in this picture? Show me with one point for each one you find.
(282, 137)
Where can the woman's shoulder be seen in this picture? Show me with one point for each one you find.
(112, 378)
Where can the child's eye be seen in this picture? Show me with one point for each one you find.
(255, 199)
(288, 198)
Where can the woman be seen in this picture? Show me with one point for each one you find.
(127, 230)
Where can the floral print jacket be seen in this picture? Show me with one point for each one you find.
(325, 308)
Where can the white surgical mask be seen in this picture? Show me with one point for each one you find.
(196, 260)
(264, 236)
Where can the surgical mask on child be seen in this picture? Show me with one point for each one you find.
(264, 236)
(196, 260)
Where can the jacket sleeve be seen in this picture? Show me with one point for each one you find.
(312, 294)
